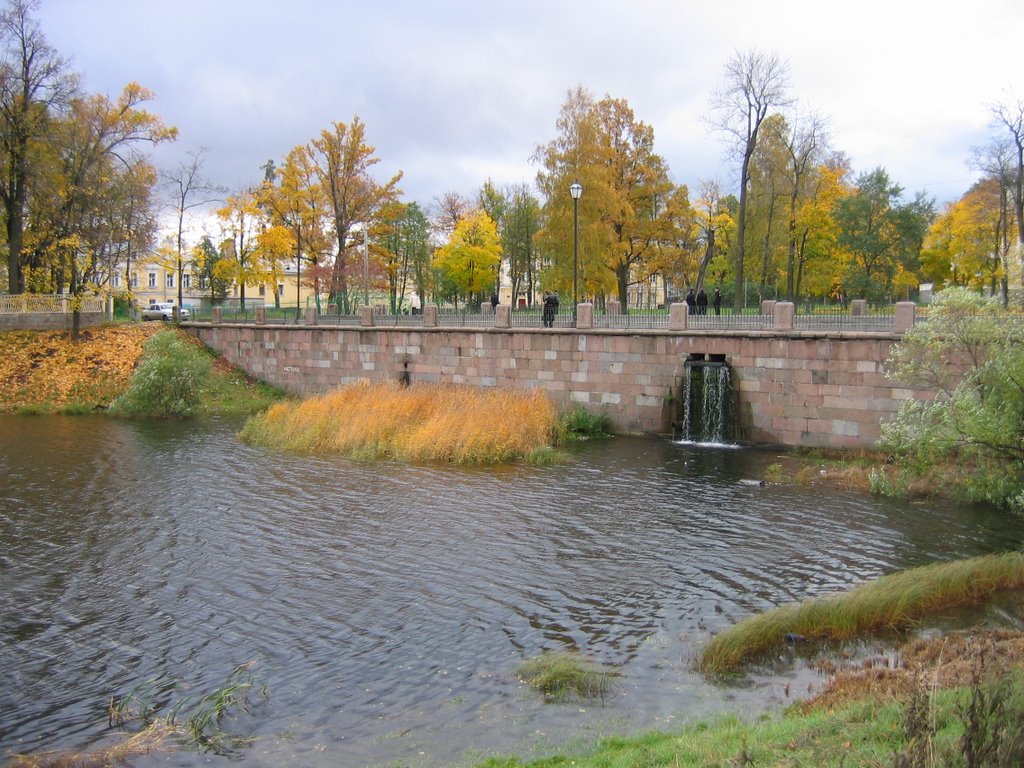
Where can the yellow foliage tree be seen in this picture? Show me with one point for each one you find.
(469, 260)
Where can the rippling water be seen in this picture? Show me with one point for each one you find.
(387, 607)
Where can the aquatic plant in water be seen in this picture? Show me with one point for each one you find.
(562, 676)
(424, 422)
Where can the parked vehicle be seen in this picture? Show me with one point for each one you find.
(162, 310)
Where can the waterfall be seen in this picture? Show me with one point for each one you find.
(706, 401)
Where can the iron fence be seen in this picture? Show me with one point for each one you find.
(632, 318)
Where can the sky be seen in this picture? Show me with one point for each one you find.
(454, 93)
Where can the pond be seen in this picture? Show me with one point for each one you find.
(385, 608)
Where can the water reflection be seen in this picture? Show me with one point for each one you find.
(387, 606)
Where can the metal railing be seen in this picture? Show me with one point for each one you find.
(632, 318)
(806, 318)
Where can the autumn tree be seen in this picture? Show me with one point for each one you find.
(1010, 117)
(621, 224)
(242, 259)
(881, 236)
(963, 244)
(343, 162)
(187, 190)
(469, 259)
(203, 262)
(521, 222)
(446, 211)
(997, 162)
(298, 203)
(98, 144)
(35, 88)
(755, 83)
(403, 238)
(710, 223)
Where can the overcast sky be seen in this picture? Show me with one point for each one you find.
(453, 93)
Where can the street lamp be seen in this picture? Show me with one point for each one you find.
(575, 189)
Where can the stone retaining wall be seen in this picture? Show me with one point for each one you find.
(792, 388)
(47, 321)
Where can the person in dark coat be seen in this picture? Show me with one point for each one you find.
(716, 302)
(550, 308)
(691, 301)
(702, 302)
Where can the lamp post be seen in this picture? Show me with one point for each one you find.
(575, 189)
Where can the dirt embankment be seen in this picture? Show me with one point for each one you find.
(45, 370)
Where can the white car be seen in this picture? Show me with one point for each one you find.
(162, 310)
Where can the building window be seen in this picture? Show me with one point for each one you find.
(280, 289)
(170, 279)
(115, 280)
(263, 290)
(152, 279)
(186, 280)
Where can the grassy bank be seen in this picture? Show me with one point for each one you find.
(423, 422)
(892, 602)
(44, 372)
(930, 732)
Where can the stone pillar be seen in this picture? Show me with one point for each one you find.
(218, 315)
(678, 316)
(430, 316)
(858, 307)
(366, 316)
(782, 315)
(311, 316)
(613, 307)
(904, 316)
(486, 308)
(502, 316)
(585, 315)
(768, 307)
(261, 314)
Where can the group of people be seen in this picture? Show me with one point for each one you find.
(698, 302)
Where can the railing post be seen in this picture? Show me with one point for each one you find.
(904, 316)
(768, 306)
(311, 316)
(585, 316)
(261, 314)
(430, 316)
(678, 316)
(502, 316)
(858, 307)
(366, 316)
(613, 307)
(782, 315)
(218, 315)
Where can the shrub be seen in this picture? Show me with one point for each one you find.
(579, 422)
(168, 381)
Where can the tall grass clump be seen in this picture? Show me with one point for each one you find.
(564, 676)
(168, 381)
(424, 422)
(893, 602)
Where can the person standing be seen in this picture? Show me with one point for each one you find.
(702, 302)
(548, 315)
(691, 302)
(716, 302)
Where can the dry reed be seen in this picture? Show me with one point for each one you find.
(424, 422)
(893, 602)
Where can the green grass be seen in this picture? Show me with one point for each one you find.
(864, 734)
(893, 602)
(564, 676)
(579, 423)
